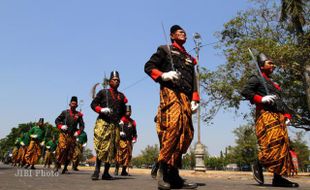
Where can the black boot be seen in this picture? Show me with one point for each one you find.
(27, 166)
(106, 175)
(177, 182)
(279, 181)
(95, 175)
(163, 182)
(258, 173)
(116, 169)
(65, 170)
(57, 166)
(154, 170)
(32, 167)
(124, 172)
(74, 167)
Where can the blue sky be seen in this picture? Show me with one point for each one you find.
(51, 50)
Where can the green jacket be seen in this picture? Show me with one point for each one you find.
(82, 138)
(25, 139)
(36, 131)
(17, 142)
(50, 145)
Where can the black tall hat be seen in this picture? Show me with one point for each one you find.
(41, 120)
(128, 108)
(114, 74)
(74, 99)
(174, 28)
(261, 58)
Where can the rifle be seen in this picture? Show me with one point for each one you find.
(169, 52)
(280, 105)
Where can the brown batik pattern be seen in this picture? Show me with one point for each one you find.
(271, 132)
(65, 148)
(174, 126)
(124, 153)
(33, 152)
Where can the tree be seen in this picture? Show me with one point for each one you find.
(147, 156)
(188, 160)
(245, 151)
(299, 145)
(260, 29)
(87, 154)
(293, 14)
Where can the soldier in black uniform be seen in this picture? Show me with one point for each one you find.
(128, 136)
(174, 69)
(67, 122)
(110, 104)
(272, 118)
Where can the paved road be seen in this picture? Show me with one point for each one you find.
(16, 178)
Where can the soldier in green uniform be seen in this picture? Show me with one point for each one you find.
(15, 151)
(81, 142)
(25, 139)
(33, 152)
(50, 150)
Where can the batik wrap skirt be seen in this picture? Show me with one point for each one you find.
(273, 141)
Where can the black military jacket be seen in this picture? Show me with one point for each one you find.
(255, 86)
(71, 119)
(112, 99)
(182, 62)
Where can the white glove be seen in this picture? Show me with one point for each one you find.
(22, 143)
(77, 139)
(76, 134)
(269, 99)
(48, 147)
(34, 136)
(64, 127)
(42, 143)
(171, 75)
(194, 106)
(122, 134)
(105, 110)
(121, 123)
(288, 122)
(133, 141)
(84, 145)
(54, 152)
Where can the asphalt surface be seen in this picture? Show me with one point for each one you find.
(17, 178)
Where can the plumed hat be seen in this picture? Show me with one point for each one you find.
(128, 108)
(114, 74)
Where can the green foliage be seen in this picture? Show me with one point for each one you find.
(188, 160)
(259, 29)
(244, 153)
(87, 154)
(147, 157)
(299, 145)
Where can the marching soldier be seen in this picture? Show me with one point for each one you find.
(271, 125)
(67, 122)
(81, 142)
(33, 152)
(25, 139)
(174, 69)
(128, 136)
(110, 105)
(50, 150)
